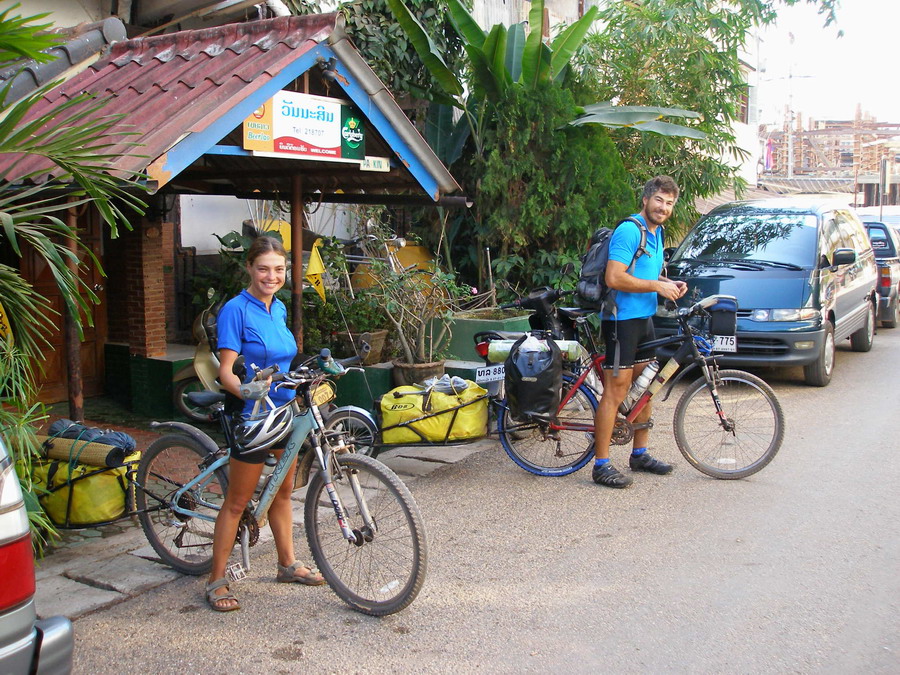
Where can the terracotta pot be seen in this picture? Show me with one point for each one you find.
(376, 342)
(415, 373)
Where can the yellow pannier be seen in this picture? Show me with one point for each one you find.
(78, 495)
(411, 414)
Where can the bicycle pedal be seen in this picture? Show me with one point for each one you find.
(236, 572)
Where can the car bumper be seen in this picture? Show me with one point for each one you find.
(45, 649)
(798, 345)
(57, 645)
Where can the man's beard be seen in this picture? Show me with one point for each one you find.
(654, 219)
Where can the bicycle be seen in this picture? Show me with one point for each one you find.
(734, 437)
(363, 526)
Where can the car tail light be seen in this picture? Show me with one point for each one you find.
(482, 349)
(885, 277)
(16, 557)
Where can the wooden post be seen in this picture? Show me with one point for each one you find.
(72, 340)
(298, 216)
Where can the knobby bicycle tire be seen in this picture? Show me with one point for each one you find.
(384, 572)
(183, 542)
(747, 402)
(534, 448)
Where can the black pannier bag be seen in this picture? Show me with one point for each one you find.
(723, 317)
(533, 379)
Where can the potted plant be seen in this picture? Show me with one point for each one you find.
(419, 303)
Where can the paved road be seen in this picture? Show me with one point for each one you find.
(792, 570)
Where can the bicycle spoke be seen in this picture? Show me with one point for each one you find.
(750, 406)
(380, 576)
(553, 452)
(182, 541)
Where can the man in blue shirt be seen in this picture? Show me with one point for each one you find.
(637, 289)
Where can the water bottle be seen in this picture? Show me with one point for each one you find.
(266, 474)
(639, 385)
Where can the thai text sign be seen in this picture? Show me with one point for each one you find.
(306, 126)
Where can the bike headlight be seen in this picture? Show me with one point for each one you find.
(805, 314)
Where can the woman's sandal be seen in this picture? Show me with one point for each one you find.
(287, 574)
(212, 598)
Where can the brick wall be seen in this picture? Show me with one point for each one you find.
(146, 304)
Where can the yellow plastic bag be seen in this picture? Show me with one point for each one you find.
(402, 405)
(97, 493)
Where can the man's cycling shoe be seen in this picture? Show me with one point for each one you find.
(646, 462)
(608, 475)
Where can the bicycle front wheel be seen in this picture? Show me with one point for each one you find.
(742, 443)
(545, 452)
(384, 569)
(359, 430)
(184, 542)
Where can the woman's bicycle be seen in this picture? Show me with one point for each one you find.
(728, 423)
(363, 526)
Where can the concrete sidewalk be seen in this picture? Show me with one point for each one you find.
(95, 568)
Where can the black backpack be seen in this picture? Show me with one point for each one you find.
(533, 381)
(593, 293)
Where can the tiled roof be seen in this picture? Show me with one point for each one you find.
(172, 87)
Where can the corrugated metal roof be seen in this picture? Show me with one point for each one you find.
(184, 92)
(707, 204)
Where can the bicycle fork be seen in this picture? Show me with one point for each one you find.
(357, 537)
(711, 373)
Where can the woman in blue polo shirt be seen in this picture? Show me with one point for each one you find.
(254, 325)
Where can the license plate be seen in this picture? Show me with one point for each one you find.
(724, 343)
(493, 373)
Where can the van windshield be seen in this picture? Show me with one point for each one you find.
(782, 238)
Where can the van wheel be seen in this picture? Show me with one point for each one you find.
(861, 340)
(818, 373)
(893, 314)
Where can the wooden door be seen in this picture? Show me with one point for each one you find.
(53, 379)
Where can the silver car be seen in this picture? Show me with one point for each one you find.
(27, 645)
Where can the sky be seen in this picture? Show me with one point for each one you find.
(826, 75)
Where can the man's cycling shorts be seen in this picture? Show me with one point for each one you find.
(624, 337)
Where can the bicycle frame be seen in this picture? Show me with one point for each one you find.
(305, 423)
(687, 353)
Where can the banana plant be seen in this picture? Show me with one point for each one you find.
(507, 57)
(642, 118)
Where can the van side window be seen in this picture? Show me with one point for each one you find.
(831, 240)
(851, 233)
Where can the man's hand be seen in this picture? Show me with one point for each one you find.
(671, 290)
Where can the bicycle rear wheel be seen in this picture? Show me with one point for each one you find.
(543, 452)
(184, 542)
(383, 571)
(749, 406)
